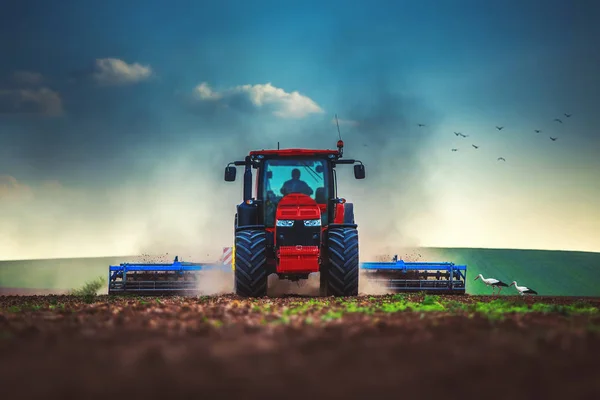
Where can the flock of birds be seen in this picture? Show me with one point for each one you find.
(460, 134)
(496, 283)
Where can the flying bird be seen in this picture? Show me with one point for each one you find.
(454, 149)
(421, 124)
(501, 158)
(568, 115)
(537, 131)
(553, 138)
(493, 282)
(499, 128)
(523, 289)
(558, 120)
(475, 146)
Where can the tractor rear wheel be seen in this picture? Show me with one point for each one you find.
(250, 263)
(340, 275)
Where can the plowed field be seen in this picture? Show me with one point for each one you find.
(299, 348)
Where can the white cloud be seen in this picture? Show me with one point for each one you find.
(42, 101)
(204, 92)
(261, 96)
(347, 122)
(28, 77)
(112, 71)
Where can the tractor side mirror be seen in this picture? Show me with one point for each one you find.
(359, 171)
(230, 174)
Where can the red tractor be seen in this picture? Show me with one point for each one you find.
(292, 222)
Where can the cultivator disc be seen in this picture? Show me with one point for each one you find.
(399, 276)
(176, 278)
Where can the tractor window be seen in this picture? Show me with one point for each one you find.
(308, 176)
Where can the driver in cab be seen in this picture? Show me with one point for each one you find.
(295, 185)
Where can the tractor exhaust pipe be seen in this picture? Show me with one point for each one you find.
(248, 179)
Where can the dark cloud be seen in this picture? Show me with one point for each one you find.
(27, 78)
(387, 110)
(41, 101)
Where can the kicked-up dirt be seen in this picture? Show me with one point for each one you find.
(369, 347)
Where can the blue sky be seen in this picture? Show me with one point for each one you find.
(112, 135)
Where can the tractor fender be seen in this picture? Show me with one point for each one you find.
(344, 213)
(349, 213)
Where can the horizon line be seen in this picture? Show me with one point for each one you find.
(408, 247)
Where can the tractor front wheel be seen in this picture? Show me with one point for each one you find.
(250, 263)
(340, 275)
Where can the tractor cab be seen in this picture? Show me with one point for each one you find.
(278, 177)
(282, 172)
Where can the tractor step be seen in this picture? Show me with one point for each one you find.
(177, 278)
(401, 276)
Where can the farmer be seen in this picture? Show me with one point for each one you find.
(295, 185)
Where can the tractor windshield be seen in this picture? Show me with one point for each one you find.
(284, 176)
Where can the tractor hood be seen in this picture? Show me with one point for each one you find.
(296, 206)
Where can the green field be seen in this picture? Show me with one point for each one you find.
(60, 274)
(552, 273)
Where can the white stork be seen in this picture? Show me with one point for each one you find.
(494, 283)
(523, 289)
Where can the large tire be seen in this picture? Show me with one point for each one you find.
(340, 275)
(323, 288)
(250, 263)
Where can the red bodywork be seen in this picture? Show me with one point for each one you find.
(339, 214)
(297, 259)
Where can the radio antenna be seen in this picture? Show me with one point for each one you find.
(340, 143)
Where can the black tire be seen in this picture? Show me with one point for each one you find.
(341, 272)
(323, 292)
(251, 263)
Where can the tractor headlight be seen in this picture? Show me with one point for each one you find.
(312, 222)
(285, 222)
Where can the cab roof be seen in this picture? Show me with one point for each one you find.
(295, 152)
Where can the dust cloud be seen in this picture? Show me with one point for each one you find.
(212, 283)
(310, 287)
(306, 287)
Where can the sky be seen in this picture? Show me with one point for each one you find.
(118, 118)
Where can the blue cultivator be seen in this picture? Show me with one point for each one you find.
(176, 278)
(399, 276)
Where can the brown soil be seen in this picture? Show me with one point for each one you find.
(59, 346)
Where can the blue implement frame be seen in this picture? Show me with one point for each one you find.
(399, 275)
(182, 277)
(179, 277)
